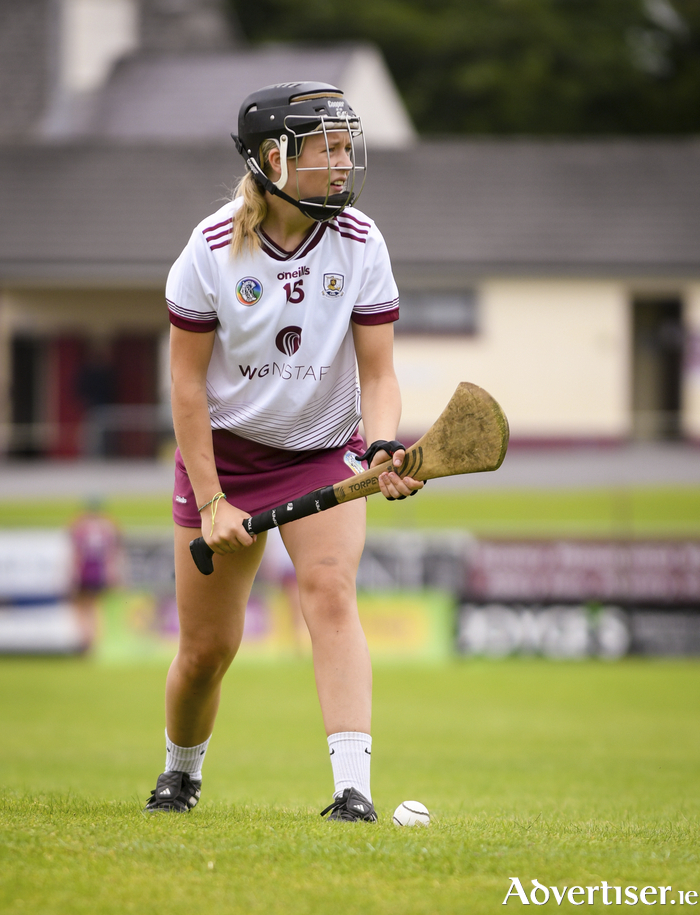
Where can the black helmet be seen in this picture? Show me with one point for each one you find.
(288, 112)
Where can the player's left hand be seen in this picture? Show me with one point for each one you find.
(391, 485)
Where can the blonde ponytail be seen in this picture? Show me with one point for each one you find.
(249, 217)
(254, 210)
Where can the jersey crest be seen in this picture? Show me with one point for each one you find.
(333, 284)
(249, 290)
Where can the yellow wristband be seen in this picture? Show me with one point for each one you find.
(219, 495)
(214, 501)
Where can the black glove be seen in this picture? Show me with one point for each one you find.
(391, 448)
(380, 445)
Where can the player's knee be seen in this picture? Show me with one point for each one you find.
(206, 661)
(327, 582)
(329, 605)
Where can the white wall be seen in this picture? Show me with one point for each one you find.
(554, 353)
(92, 312)
(94, 34)
(372, 93)
(691, 379)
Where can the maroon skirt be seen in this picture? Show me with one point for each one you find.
(256, 477)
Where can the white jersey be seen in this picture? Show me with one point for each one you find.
(282, 371)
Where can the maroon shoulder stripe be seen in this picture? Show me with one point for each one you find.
(359, 238)
(197, 327)
(378, 306)
(190, 313)
(222, 244)
(351, 228)
(227, 231)
(377, 317)
(219, 225)
(225, 234)
(346, 215)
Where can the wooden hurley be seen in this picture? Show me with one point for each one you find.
(469, 436)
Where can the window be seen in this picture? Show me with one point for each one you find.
(657, 366)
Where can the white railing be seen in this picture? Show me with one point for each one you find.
(96, 435)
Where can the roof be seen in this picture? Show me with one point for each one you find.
(99, 214)
(194, 97)
(543, 206)
(102, 214)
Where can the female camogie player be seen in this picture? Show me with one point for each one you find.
(278, 303)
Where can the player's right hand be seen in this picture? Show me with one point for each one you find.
(228, 534)
(391, 485)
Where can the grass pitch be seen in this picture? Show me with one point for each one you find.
(568, 773)
(613, 512)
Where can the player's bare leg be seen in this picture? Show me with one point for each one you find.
(326, 550)
(212, 614)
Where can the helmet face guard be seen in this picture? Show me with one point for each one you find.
(287, 114)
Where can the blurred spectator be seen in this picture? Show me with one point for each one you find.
(96, 564)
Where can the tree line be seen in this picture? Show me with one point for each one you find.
(543, 67)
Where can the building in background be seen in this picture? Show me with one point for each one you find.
(561, 275)
(564, 276)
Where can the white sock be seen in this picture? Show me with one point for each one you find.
(185, 759)
(351, 754)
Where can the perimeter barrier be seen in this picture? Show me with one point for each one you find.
(422, 596)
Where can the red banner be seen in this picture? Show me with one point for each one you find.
(664, 572)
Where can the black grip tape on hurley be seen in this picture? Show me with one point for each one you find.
(317, 501)
(203, 555)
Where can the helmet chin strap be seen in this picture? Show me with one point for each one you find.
(318, 208)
